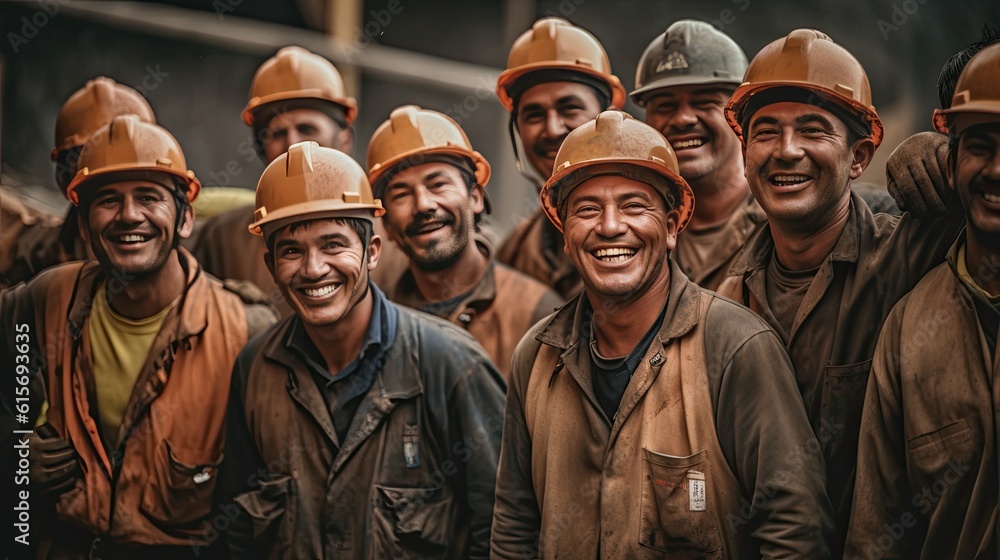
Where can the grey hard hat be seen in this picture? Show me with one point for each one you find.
(688, 52)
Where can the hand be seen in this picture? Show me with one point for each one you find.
(55, 465)
(916, 176)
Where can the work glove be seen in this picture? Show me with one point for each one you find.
(915, 175)
(55, 465)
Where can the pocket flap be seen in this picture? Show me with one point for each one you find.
(267, 503)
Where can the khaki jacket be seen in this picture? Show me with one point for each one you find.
(301, 493)
(498, 311)
(147, 491)
(927, 460)
(708, 456)
(877, 260)
(535, 247)
(708, 264)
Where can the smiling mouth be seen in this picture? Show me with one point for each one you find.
(685, 144)
(788, 180)
(319, 292)
(617, 254)
(131, 238)
(991, 198)
(428, 228)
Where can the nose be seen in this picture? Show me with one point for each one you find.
(555, 126)
(610, 224)
(683, 118)
(788, 148)
(130, 211)
(315, 265)
(992, 169)
(424, 202)
(293, 137)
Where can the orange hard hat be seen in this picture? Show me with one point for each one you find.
(556, 44)
(616, 140)
(126, 145)
(92, 107)
(309, 181)
(977, 93)
(297, 74)
(808, 60)
(412, 132)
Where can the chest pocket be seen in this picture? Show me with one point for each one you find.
(943, 455)
(677, 508)
(843, 401)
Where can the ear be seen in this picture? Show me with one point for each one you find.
(83, 225)
(863, 151)
(673, 223)
(187, 226)
(269, 263)
(344, 140)
(374, 251)
(949, 170)
(476, 199)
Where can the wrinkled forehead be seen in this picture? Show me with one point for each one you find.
(794, 112)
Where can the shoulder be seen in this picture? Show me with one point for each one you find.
(430, 336)
(259, 311)
(525, 287)
(729, 326)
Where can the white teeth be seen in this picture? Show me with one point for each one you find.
(789, 179)
(616, 254)
(132, 238)
(687, 144)
(994, 198)
(319, 292)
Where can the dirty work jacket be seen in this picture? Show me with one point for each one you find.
(927, 460)
(497, 312)
(31, 240)
(707, 260)
(708, 456)
(535, 247)
(877, 260)
(156, 487)
(414, 477)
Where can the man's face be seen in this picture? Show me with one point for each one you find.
(691, 118)
(322, 269)
(130, 226)
(302, 125)
(546, 114)
(799, 163)
(976, 177)
(430, 214)
(618, 232)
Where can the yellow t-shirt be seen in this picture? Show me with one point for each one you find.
(119, 348)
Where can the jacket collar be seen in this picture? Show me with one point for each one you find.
(193, 319)
(563, 328)
(479, 299)
(760, 247)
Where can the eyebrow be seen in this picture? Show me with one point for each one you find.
(571, 98)
(425, 179)
(799, 120)
(619, 199)
(282, 243)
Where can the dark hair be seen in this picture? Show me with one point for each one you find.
(952, 69)
(362, 227)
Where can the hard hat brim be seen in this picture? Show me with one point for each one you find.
(311, 210)
(122, 172)
(508, 77)
(640, 95)
(257, 104)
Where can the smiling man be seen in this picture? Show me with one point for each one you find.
(684, 80)
(825, 272)
(649, 417)
(433, 186)
(929, 417)
(356, 429)
(136, 351)
(558, 77)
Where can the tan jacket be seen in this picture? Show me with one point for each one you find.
(927, 460)
(707, 257)
(877, 260)
(708, 456)
(145, 492)
(498, 311)
(535, 247)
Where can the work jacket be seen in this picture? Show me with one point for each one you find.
(497, 312)
(31, 240)
(708, 456)
(706, 259)
(927, 460)
(535, 247)
(877, 260)
(156, 487)
(413, 478)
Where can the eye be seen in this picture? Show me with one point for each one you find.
(290, 252)
(664, 108)
(532, 116)
(399, 194)
(307, 130)
(586, 211)
(332, 245)
(438, 185)
(705, 103)
(813, 130)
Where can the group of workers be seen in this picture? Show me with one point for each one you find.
(704, 343)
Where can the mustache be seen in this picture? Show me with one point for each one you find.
(423, 220)
(543, 146)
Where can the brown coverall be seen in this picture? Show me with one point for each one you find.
(147, 492)
(877, 260)
(706, 256)
(927, 459)
(708, 456)
(535, 247)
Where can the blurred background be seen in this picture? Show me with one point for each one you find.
(194, 60)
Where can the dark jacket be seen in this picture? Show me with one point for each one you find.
(299, 493)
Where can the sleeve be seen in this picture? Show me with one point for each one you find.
(516, 518)
(476, 402)
(769, 444)
(881, 488)
(242, 463)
